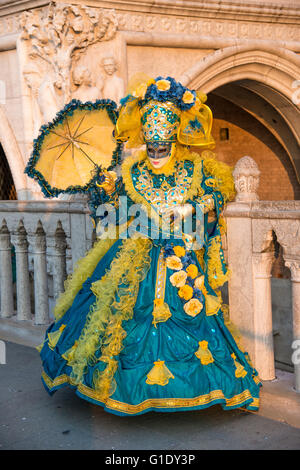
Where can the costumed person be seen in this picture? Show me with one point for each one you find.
(141, 325)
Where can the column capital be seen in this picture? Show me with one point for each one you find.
(294, 266)
(262, 263)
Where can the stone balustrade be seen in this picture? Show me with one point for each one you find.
(252, 228)
(46, 238)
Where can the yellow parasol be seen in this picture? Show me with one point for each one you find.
(71, 150)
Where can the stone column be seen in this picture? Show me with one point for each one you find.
(240, 284)
(263, 331)
(6, 280)
(40, 278)
(59, 262)
(294, 266)
(22, 274)
(78, 243)
(239, 249)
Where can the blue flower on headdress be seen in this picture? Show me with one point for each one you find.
(188, 99)
(166, 89)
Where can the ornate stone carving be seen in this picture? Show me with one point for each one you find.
(207, 27)
(54, 39)
(246, 179)
(113, 86)
(294, 266)
(287, 233)
(262, 263)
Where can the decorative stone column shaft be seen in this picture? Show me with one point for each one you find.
(6, 280)
(40, 278)
(22, 274)
(59, 262)
(263, 331)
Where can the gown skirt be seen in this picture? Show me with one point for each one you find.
(179, 363)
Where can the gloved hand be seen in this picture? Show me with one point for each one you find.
(109, 182)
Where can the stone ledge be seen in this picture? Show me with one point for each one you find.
(22, 332)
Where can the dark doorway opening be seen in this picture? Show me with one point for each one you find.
(7, 187)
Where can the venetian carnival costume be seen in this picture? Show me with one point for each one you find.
(141, 325)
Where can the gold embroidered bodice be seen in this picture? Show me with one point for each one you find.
(163, 191)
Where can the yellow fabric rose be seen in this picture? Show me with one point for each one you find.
(192, 271)
(186, 292)
(178, 279)
(173, 262)
(188, 97)
(199, 282)
(163, 85)
(179, 251)
(193, 307)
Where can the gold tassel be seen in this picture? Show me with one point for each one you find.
(240, 370)
(161, 311)
(204, 353)
(213, 304)
(159, 374)
(54, 337)
(69, 354)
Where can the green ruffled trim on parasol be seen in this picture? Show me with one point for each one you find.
(68, 110)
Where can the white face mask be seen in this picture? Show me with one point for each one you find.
(159, 154)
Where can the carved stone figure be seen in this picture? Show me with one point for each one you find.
(33, 79)
(49, 100)
(113, 88)
(85, 90)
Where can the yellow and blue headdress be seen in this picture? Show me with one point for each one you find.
(163, 110)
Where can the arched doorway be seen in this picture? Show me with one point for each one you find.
(250, 91)
(7, 187)
(11, 156)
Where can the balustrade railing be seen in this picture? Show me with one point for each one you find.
(46, 239)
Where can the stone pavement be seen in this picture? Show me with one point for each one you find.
(31, 419)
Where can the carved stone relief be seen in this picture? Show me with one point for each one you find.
(246, 179)
(113, 86)
(55, 41)
(287, 233)
(85, 85)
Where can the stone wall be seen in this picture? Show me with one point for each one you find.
(245, 53)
